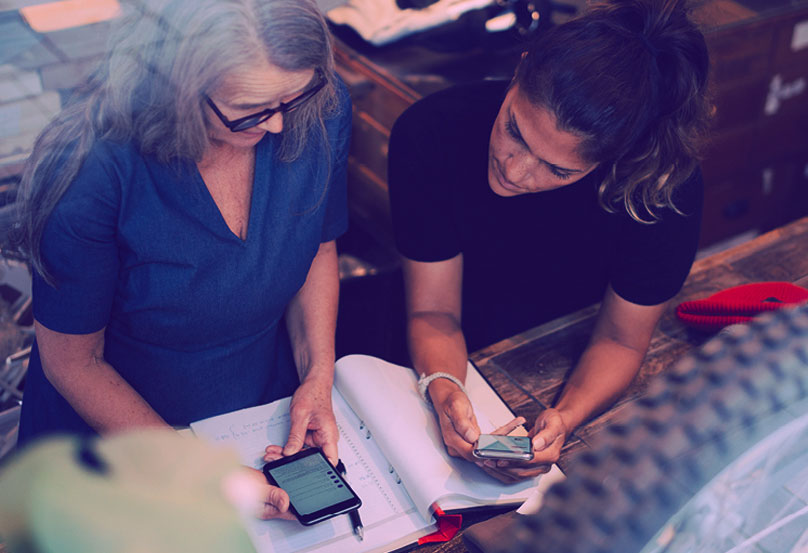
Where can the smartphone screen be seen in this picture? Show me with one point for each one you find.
(316, 490)
(494, 446)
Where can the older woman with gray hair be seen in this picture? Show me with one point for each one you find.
(181, 215)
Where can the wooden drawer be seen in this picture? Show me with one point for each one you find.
(740, 53)
(795, 205)
(728, 153)
(741, 103)
(379, 104)
(374, 92)
(761, 89)
(744, 201)
(770, 138)
(378, 99)
(369, 202)
(369, 142)
(791, 47)
(785, 134)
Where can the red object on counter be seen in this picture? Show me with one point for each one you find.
(739, 304)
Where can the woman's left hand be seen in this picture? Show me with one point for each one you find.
(547, 436)
(312, 422)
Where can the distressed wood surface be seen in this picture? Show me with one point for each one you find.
(528, 370)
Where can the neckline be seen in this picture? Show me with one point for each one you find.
(221, 226)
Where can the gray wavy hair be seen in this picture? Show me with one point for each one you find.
(164, 56)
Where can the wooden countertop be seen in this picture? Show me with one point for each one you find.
(529, 369)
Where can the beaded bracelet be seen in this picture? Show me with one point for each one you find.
(425, 380)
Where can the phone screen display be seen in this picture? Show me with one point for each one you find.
(503, 447)
(316, 491)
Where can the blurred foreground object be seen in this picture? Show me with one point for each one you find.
(146, 491)
(713, 458)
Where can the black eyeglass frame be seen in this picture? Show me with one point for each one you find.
(250, 121)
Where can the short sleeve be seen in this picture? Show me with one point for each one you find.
(336, 215)
(420, 188)
(653, 260)
(79, 249)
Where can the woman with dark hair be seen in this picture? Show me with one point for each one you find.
(515, 203)
(181, 217)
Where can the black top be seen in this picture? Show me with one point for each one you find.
(526, 259)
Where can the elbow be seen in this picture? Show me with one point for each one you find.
(445, 321)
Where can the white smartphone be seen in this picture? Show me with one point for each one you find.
(495, 446)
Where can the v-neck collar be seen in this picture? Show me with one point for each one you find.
(220, 226)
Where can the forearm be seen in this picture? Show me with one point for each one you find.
(603, 373)
(311, 318)
(437, 345)
(102, 397)
(74, 364)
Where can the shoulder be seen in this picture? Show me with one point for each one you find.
(688, 197)
(108, 168)
(452, 124)
(459, 105)
(115, 159)
(342, 112)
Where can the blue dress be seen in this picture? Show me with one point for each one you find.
(193, 313)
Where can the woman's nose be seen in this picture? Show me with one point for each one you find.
(274, 124)
(517, 168)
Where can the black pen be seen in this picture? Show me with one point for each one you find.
(356, 522)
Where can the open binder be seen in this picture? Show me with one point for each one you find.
(391, 446)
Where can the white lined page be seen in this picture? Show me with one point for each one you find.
(385, 396)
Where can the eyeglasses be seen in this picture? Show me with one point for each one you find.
(244, 123)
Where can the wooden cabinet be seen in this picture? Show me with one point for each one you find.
(760, 141)
(755, 167)
(378, 99)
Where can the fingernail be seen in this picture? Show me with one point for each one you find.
(538, 443)
(490, 464)
(471, 436)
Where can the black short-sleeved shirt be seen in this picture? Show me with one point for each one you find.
(526, 259)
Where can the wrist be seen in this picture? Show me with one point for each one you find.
(441, 388)
(319, 377)
(436, 387)
(570, 419)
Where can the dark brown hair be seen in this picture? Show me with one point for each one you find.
(630, 78)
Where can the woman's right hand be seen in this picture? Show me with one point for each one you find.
(458, 425)
(460, 430)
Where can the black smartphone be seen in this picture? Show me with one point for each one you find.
(316, 490)
(495, 446)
